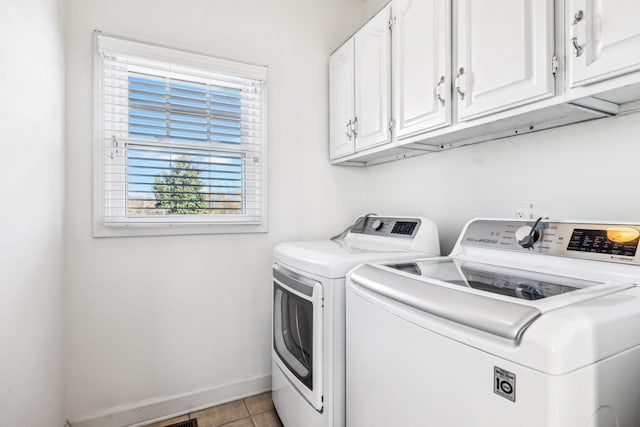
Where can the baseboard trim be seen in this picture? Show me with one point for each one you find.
(158, 409)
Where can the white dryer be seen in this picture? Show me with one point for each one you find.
(308, 355)
(529, 325)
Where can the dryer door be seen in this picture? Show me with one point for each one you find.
(297, 331)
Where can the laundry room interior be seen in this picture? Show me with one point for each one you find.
(114, 316)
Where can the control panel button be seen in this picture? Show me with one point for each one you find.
(377, 225)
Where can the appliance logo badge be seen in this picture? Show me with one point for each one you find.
(504, 383)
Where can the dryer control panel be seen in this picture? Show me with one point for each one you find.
(591, 241)
(389, 227)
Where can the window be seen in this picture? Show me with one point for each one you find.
(180, 142)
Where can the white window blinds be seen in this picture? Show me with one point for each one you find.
(181, 137)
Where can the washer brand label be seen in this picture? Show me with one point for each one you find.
(504, 383)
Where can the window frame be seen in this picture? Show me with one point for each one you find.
(164, 226)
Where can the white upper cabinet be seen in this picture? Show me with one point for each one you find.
(421, 65)
(603, 39)
(373, 82)
(504, 54)
(341, 101)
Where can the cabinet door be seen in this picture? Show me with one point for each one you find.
(421, 65)
(341, 101)
(603, 39)
(372, 83)
(504, 54)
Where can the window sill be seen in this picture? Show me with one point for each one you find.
(141, 230)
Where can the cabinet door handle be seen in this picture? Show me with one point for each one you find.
(578, 49)
(577, 17)
(439, 91)
(460, 84)
(355, 127)
(349, 130)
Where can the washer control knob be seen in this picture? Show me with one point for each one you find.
(524, 237)
(376, 225)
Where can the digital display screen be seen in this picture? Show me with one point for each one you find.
(402, 227)
(597, 241)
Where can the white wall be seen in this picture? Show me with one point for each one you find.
(371, 7)
(153, 317)
(583, 171)
(31, 184)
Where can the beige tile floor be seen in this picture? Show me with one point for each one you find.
(254, 411)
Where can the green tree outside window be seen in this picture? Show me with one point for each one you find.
(179, 190)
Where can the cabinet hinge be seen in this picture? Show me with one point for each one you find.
(392, 123)
(391, 24)
(554, 65)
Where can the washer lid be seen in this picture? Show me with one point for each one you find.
(506, 282)
(499, 300)
(334, 258)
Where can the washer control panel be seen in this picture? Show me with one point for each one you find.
(600, 242)
(389, 227)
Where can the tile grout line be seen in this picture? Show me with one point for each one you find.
(239, 419)
(248, 412)
(270, 408)
(191, 415)
(262, 412)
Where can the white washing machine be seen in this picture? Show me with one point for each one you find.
(529, 325)
(309, 312)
